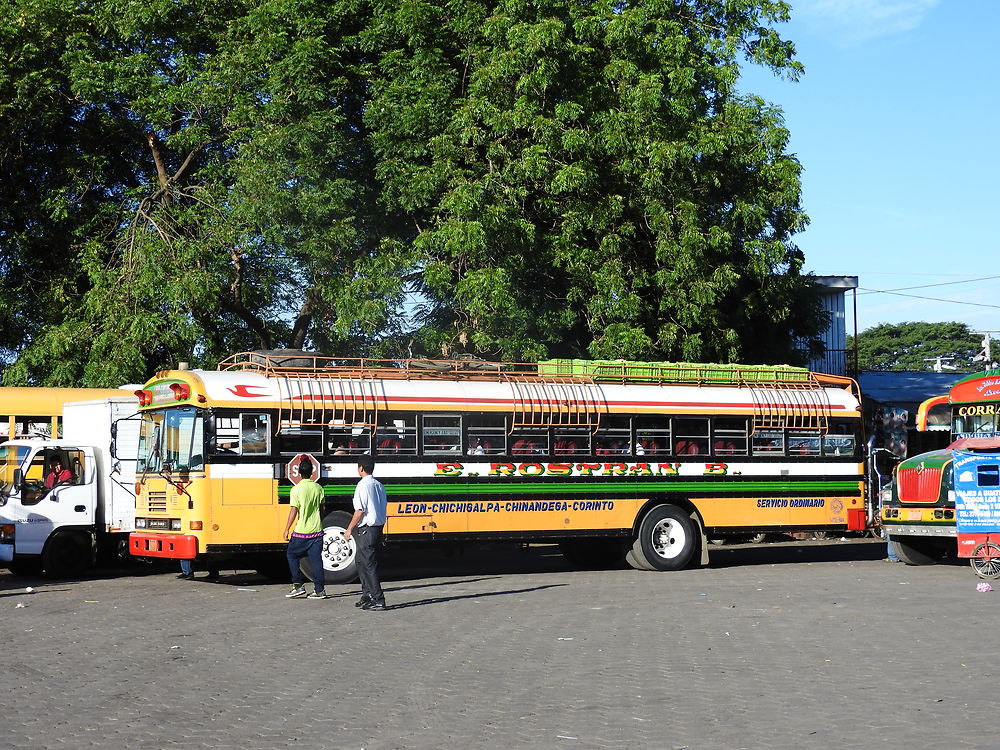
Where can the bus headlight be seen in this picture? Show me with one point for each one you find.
(175, 524)
(140, 523)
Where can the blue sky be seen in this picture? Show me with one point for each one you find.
(896, 122)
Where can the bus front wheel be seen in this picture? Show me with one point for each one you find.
(914, 550)
(339, 556)
(666, 539)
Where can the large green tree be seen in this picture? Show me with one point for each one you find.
(918, 346)
(187, 178)
(587, 179)
(210, 186)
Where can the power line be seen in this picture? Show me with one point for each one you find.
(932, 299)
(927, 286)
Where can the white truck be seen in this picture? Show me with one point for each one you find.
(59, 522)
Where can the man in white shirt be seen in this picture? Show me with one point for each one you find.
(368, 520)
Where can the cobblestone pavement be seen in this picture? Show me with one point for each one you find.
(796, 645)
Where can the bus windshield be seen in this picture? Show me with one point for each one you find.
(171, 440)
(10, 460)
(973, 424)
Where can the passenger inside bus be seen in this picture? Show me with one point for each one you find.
(524, 447)
(390, 445)
(565, 447)
(724, 447)
(687, 447)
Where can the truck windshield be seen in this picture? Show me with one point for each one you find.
(171, 440)
(11, 457)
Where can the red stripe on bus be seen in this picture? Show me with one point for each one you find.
(549, 402)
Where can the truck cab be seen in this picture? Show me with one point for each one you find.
(57, 521)
(53, 518)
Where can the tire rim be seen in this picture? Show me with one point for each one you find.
(337, 553)
(668, 538)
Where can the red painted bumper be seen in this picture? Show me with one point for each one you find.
(856, 519)
(176, 546)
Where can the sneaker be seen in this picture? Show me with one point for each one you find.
(373, 606)
(317, 595)
(186, 576)
(297, 590)
(362, 601)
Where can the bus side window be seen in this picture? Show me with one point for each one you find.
(396, 435)
(768, 443)
(526, 442)
(348, 439)
(614, 437)
(487, 434)
(729, 436)
(691, 436)
(255, 434)
(227, 436)
(570, 442)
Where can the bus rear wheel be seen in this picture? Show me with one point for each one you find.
(636, 561)
(666, 539)
(339, 556)
(914, 550)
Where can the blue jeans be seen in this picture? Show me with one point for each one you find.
(312, 549)
(890, 550)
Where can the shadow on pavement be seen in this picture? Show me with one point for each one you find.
(480, 595)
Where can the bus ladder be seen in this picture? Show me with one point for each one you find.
(790, 405)
(556, 401)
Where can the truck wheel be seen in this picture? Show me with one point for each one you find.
(666, 539)
(68, 554)
(914, 550)
(339, 557)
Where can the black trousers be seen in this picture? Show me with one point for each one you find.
(369, 541)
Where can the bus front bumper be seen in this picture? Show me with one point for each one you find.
(175, 546)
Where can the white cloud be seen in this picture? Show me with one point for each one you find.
(856, 21)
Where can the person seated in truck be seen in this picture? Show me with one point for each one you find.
(57, 474)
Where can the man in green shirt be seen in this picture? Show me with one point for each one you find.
(307, 538)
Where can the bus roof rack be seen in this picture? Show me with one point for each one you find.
(304, 364)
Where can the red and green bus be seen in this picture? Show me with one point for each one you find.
(918, 506)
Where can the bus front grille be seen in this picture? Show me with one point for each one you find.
(157, 502)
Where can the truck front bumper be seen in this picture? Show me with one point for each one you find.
(175, 546)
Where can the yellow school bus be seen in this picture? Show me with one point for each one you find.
(26, 412)
(613, 460)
